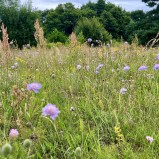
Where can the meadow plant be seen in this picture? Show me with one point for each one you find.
(126, 68)
(149, 139)
(39, 34)
(156, 67)
(50, 110)
(34, 87)
(6, 149)
(142, 68)
(13, 134)
(107, 115)
(6, 53)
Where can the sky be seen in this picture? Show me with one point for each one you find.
(128, 5)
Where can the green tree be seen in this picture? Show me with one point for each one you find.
(122, 20)
(56, 36)
(151, 3)
(138, 15)
(89, 5)
(92, 28)
(100, 7)
(63, 18)
(19, 21)
(110, 23)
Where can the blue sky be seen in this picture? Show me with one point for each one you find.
(128, 5)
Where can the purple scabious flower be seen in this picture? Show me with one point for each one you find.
(156, 67)
(123, 90)
(89, 40)
(50, 110)
(142, 68)
(13, 133)
(99, 66)
(157, 57)
(126, 68)
(34, 87)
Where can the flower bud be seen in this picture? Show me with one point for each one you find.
(6, 149)
(27, 143)
(78, 151)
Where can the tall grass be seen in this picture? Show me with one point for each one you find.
(96, 120)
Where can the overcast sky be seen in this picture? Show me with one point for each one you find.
(128, 5)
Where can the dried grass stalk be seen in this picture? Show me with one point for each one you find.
(39, 34)
(4, 45)
(73, 38)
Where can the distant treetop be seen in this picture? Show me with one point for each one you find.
(151, 3)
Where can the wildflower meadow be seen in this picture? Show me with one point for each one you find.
(79, 102)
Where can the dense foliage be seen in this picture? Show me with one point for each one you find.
(92, 28)
(19, 21)
(60, 22)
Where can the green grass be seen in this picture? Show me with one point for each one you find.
(104, 125)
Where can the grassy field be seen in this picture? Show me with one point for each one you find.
(107, 111)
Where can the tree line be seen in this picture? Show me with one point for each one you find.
(99, 21)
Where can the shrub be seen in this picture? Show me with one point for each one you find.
(56, 36)
(92, 28)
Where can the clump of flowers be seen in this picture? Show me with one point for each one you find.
(50, 110)
(149, 139)
(119, 135)
(34, 87)
(142, 68)
(13, 134)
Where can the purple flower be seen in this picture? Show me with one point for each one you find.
(50, 110)
(142, 68)
(156, 67)
(89, 40)
(149, 138)
(157, 57)
(99, 66)
(34, 87)
(123, 90)
(13, 133)
(126, 68)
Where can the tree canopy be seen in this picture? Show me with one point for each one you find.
(60, 22)
(151, 3)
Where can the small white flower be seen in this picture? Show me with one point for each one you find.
(96, 71)
(13, 67)
(16, 64)
(79, 67)
(72, 109)
(113, 70)
(149, 138)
